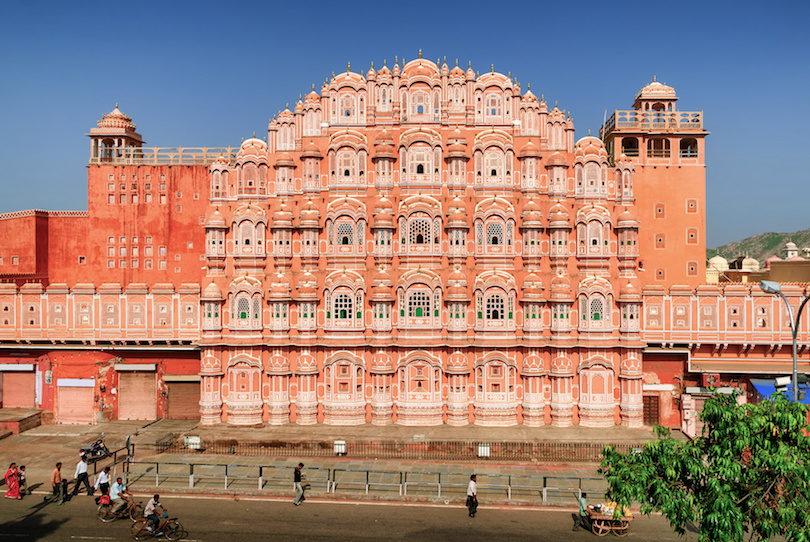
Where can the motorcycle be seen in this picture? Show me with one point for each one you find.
(95, 450)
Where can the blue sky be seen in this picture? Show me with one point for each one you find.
(209, 73)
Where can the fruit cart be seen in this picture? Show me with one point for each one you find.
(602, 524)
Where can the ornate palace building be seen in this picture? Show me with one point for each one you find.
(418, 245)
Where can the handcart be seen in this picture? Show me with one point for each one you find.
(602, 524)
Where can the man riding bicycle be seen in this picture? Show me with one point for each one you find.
(151, 513)
(118, 495)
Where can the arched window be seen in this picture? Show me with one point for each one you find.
(420, 104)
(419, 158)
(418, 304)
(493, 106)
(495, 307)
(689, 148)
(493, 164)
(630, 146)
(343, 306)
(658, 147)
(347, 106)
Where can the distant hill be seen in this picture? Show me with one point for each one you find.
(762, 246)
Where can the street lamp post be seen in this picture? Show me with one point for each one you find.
(772, 287)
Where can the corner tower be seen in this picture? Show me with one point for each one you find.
(667, 148)
(113, 138)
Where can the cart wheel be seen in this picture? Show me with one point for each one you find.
(622, 529)
(600, 527)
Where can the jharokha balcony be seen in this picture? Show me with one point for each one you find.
(652, 121)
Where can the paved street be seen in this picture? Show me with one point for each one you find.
(218, 520)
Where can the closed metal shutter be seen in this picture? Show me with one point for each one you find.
(651, 416)
(137, 396)
(75, 405)
(19, 389)
(184, 400)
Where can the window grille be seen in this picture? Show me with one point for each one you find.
(345, 234)
(420, 232)
(437, 303)
(479, 233)
(331, 232)
(360, 233)
(418, 305)
(495, 307)
(256, 309)
(494, 234)
(243, 308)
(597, 309)
(343, 306)
(509, 233)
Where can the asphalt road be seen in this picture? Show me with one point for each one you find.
(221, 520)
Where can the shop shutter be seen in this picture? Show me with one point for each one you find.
(184, 400)
(19, 389)
(137, 396)
(74, 405)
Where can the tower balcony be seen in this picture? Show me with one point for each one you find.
(162, 156)
(652, 121)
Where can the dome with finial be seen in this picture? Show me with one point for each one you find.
(590, 146)
(383, 217)
(282, 217)
(626, 219)
(656, 90)
(532, 288)
(457, 147)
(284, 159)
(561, 288)
(529, 150)
(286, 115)
(558, 216)
(421, 69)
(457, 286)
(629, 292)
(557, 159)
(529, 97)
(307, 289)
(382, 286)
(457, 214)
(311, 150)
(371, 74)
(384, 145)
(718, 263)
(313, 97)
(456, 72)
(279, 287)
(252, 150)
(216, 220)
(532, 217)
(212, 293)
(750, 264)
(116, 123)
(384, 72)
(470, 73)
(309, 215)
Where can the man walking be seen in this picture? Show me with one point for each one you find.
(299, 489)
(56, 484)
(103, 482)
(23, 483)
(582, 517)
(472, 496)
(81, 477)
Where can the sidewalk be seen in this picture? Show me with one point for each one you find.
(41, 447)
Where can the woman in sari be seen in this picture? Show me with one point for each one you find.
(12, 483)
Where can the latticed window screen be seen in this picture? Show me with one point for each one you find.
(402, 230)
(495, 307)
(437, 302)
(583, 307)
(597, 309)
(343, 306)
(418, 304)
(479, 233)
(243, 308)
(331, 232)
(359, 304)
(345, 233)
(509, 234)
(494, 234)
(361, 231)
(437, 228)
(420, 232)
(402, 303)
(256, 308)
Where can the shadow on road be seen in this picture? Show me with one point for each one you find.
(32, 526)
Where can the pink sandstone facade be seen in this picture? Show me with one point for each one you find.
(418, 245)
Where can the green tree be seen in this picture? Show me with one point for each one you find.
(748, 474)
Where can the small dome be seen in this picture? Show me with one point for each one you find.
(384, 71)
(420, 67)
(252, 147)
(629, 292)
(532, 288)
(371, 74)
(216, 220)
(626, 219)
(310, 215)
(530, 149)
(470, 73)
(312, 97)
(284, 159)
(212, 292)
(719, 263)
(531, 215)
(656, 90)
(558, 216)
(557, 159)
(750, 264)
(282, 217)
(561, 288)
(311, 150)
(279, 287)
(307, 286)
(529, 97)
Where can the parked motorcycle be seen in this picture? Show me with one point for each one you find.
(95, 450)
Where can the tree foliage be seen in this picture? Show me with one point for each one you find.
(747, 475)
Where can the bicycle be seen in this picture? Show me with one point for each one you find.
(133, 510)
(170, 527)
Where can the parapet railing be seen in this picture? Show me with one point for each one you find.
(653, 120)
(163, 156)
(328, 480)
(540, 451)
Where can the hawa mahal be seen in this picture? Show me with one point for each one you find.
(418, 245)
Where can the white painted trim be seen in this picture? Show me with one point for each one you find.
(16, 366)
(181, 378)
(135, 367)
(76, 383)
(658, 387)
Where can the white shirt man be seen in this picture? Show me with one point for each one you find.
(81, 477)
(472, 496)
(102, 478)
